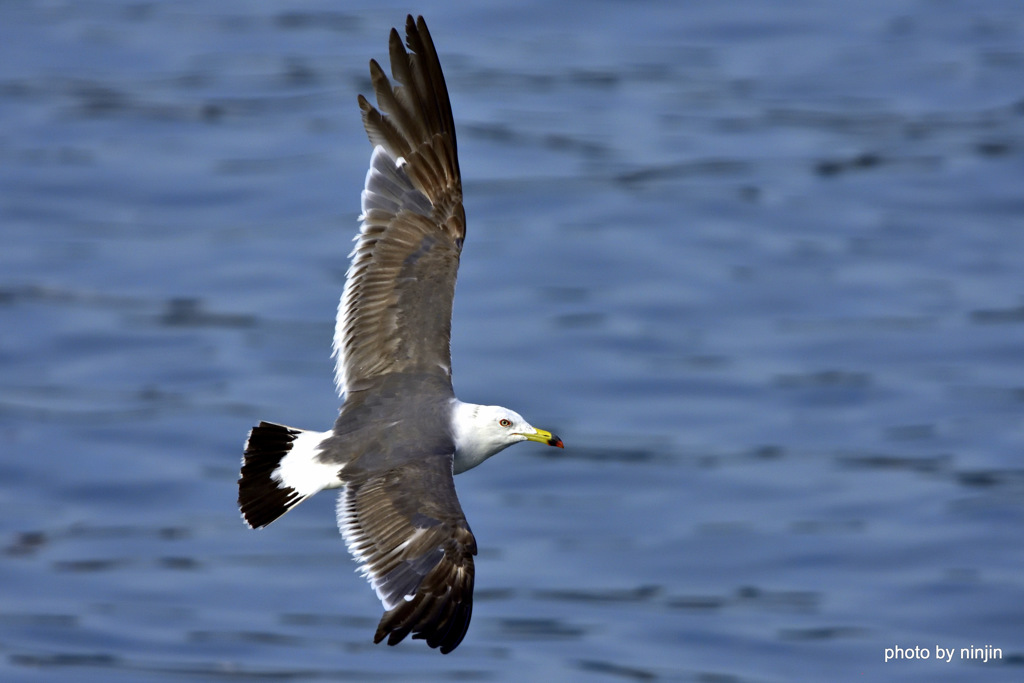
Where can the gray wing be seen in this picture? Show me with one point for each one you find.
(395, 313)
(406, 529)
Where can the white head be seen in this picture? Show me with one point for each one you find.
(482, 431)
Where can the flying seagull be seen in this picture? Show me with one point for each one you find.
(401, 434)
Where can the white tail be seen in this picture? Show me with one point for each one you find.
(280, 469)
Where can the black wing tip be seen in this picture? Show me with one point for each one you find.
(261, 499)
(440, 614)
(444, 628)
(416, 68)
(416, 27)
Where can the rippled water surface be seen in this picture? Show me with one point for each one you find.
(759, 265)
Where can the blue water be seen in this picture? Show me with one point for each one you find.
(758, 264)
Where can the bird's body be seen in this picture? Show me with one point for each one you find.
(401, 434)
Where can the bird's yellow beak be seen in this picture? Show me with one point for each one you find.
(545, 437)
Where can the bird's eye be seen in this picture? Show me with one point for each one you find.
(505, 422)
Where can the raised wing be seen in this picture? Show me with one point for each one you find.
(395, 313)
(406, 529)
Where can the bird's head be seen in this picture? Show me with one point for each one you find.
(482, 431)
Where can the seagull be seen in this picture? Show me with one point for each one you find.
(401, 434)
